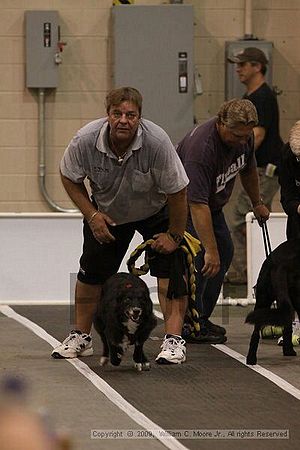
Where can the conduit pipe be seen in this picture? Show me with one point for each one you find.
(42, 164)
(248, 32)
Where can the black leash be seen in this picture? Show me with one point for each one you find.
(266, 238)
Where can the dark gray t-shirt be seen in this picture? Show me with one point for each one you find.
(137, 187)
(211, 166)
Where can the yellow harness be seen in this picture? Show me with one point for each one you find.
(190, 246)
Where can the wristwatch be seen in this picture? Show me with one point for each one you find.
(177, 238)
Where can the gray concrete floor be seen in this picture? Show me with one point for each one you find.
(210, 391)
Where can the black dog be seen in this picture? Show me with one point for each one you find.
(124, 317)
(278, 280)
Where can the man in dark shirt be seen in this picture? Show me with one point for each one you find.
(213, 154)
(251, 69)
(289, 179)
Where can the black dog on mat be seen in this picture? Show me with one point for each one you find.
(124, 317)
(278, 280)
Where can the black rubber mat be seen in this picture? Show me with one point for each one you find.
(211, 391)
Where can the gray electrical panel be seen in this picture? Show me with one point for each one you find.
(42, 37)
(153, 52)
(233, 87)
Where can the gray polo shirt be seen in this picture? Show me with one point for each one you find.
(135, 188)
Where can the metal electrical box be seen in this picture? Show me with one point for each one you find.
(233, 87)
(42, 37)
(153, 52)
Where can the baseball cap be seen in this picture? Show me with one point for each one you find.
(252, 54)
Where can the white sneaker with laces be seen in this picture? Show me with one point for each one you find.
(76, 344)
(173, 350)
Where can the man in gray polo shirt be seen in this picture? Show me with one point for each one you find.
(138, 184)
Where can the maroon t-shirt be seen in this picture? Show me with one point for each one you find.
(211, 166)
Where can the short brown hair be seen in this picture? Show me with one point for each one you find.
(237, 112)
(124, 94)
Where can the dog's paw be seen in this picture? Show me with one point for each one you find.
(251, 360)
(142, 366)
(103, 360)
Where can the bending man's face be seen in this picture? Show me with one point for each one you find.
(124, 121)
(234, 137)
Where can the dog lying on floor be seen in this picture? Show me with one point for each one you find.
(124, 317)
(278, 280)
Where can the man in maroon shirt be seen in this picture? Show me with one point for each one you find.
(213, 154)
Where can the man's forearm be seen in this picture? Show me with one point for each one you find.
(177, 204)
(79, 195)
(203, 225)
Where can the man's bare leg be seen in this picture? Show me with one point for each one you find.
(173, 310)
(86, 298)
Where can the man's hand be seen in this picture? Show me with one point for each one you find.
(98, 225)
(211, 263)
(261, 213)
(163, 243)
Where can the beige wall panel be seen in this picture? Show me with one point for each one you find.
(12, 187)
(55, 188)
(17, 105)
(209, 50)
(85, 22)
(71, 4)
(12, 22)
(207, 105)
(69, 77)
(11, 49)
(276, 4)
(13, 133)
(21, 207)
(84, 77)
(289, 105)
(53, 157)
(219, 23)
(94, 77)
(86, 74)
(285, 51)
(18, 160)
(31, 134)
(63, 105)
(85, 50)
(212, 77)
(276, 23)
(12, 78)
(60, 132)
(92, 105)
(287, 77)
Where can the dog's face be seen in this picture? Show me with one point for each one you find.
(135, 308)
(132, 309)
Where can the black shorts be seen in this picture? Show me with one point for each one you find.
(99, 261)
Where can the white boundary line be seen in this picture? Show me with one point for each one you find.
(112, 395)
(280, 382)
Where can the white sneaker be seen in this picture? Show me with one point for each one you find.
(173, 350)
(76, 344)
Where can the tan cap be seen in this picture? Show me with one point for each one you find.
(294, 139)
(238, 111)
